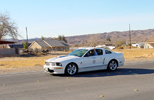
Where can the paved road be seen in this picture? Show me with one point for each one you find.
(118, 85)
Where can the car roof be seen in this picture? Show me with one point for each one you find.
(89, 48)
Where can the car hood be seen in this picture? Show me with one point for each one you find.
(61, 58)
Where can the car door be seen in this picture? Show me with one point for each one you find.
(90, 61)
(100, 59)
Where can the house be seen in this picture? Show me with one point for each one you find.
(4, 50)
(107, 46)
(138, 45)
(149, 45)
(9, 44)
(57, 45)
(3, 44)
(50, 45)
(39, 44)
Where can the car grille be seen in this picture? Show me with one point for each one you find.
(49, 63)
(51, 71)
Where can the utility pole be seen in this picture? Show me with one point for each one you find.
(27, 37)
(130, 36)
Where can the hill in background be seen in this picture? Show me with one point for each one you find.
(100, 38)
(150, 40)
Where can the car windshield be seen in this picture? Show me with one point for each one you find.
(78, 52)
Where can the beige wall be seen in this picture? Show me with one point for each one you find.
(147, 45)
(2, 46)
(60, 48)
(34, 46)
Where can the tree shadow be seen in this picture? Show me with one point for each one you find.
(106, 73)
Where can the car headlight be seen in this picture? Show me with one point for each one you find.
(58, 64)
(47, 63)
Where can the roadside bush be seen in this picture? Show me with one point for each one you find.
(120, 43)
(120, 48)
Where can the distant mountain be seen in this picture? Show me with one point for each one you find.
(150, 40)
(100, 38)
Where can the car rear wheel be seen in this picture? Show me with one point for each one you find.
(71, 69)
(112, 66)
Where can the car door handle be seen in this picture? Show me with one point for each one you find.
(93, 57)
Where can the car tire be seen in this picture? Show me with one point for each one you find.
(112, 66)
(71, 69)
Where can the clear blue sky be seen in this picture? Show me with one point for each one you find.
(50, 18)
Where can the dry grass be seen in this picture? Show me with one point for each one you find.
(26, 62)
(13, 62)
(137, 53)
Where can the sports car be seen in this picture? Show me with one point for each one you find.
(84, 59)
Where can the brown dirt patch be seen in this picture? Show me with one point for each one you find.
(16, 64)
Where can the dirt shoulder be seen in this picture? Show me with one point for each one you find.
(24, 63)
(34, 63)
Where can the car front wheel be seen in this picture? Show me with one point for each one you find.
(112, 66)
(71, 69)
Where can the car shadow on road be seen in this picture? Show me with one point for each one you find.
(106, 73)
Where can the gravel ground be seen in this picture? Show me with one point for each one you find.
(23, 69)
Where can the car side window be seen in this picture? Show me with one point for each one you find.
(99, 51)
(107, 52)
(91, 53)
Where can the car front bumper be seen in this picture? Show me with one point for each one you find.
(54, 69)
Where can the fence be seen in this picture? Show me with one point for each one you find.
(9, 51)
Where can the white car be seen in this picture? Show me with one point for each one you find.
(84, 59)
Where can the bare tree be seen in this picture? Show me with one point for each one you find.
(7, 27)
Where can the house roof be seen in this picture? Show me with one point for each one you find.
(55, 43)
(152, 44)
(42, 43)
(6, 42)
(50, 43)
(17, 45)
(64, 43)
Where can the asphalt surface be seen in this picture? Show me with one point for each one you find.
(134, 81)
